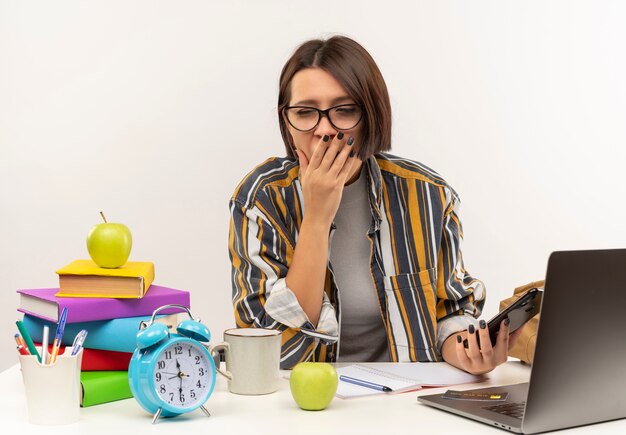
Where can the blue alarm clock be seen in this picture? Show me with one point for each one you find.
(172, 373)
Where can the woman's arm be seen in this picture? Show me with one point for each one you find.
(262, 257)
(323, 179)
(460, 298)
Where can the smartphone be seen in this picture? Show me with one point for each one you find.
(519, 312)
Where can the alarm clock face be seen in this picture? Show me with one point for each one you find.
(183, 374)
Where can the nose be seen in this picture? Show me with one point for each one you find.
(325, 128)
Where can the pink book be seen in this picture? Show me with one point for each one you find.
(44, 304)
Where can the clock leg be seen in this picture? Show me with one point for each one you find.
(208, 414)
(156, 415)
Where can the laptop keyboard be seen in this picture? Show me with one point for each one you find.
(515, 410)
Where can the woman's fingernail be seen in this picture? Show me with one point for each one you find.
(471, 329)
(350, 140)
(507, 321)
(325, 138)
(351, 153)
(482, 324)
(340, 135)
(458, 339)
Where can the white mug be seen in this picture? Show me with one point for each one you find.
(252, 359)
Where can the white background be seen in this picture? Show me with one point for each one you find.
(153, 111)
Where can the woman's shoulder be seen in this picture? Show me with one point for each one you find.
(281, 171)
(406, 168)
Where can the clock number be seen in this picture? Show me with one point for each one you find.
(161, 365)
(182, 398)
(192, 393)
(162, 389)
(168, 354)
(201, 371)
(198, 384)
(178, 350)
(158, 377)
(171, 396)
(197, 360)
(189, 350)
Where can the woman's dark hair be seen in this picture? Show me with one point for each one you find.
(353, 67)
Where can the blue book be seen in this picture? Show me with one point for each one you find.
(116, 334)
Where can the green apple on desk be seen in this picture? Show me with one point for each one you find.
(313, 385)
(109, 244)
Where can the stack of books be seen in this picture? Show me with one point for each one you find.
(110, 304)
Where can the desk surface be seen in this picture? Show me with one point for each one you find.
(274, 414)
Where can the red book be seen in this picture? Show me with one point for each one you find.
(95, 360)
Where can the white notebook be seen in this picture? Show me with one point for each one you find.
(400, 377)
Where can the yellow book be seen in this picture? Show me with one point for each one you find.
(84, 279)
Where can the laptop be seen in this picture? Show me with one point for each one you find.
(578, 376)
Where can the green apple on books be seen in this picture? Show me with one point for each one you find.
(109, 244)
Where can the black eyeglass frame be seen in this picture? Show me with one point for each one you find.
(321, 113)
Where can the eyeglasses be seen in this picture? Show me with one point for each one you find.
(342, 117)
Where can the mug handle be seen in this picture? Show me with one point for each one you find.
(214, 349)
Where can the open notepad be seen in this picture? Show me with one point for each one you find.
(400, 377)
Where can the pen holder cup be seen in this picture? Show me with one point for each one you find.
(52, 391)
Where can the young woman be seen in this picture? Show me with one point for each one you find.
(353, 253)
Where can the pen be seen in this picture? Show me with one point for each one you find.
(78, 341)
(366, 384)
(58, 336)
(44, 345)
(22, 350)
(29, 341)
(20, 341)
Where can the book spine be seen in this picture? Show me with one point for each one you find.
(105, 360)
(104, 387)
(107, 309)
(93, 309)
(116, 334)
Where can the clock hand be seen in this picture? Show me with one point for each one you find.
(180, 390)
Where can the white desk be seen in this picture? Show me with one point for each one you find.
(273, 414)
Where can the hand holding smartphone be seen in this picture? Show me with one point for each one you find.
(518, 313)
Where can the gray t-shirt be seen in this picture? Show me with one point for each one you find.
(362, 333)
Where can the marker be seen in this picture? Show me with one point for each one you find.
(29, 341)
(22, 350)
(44, 344)
(365, 384)
(58, 336)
